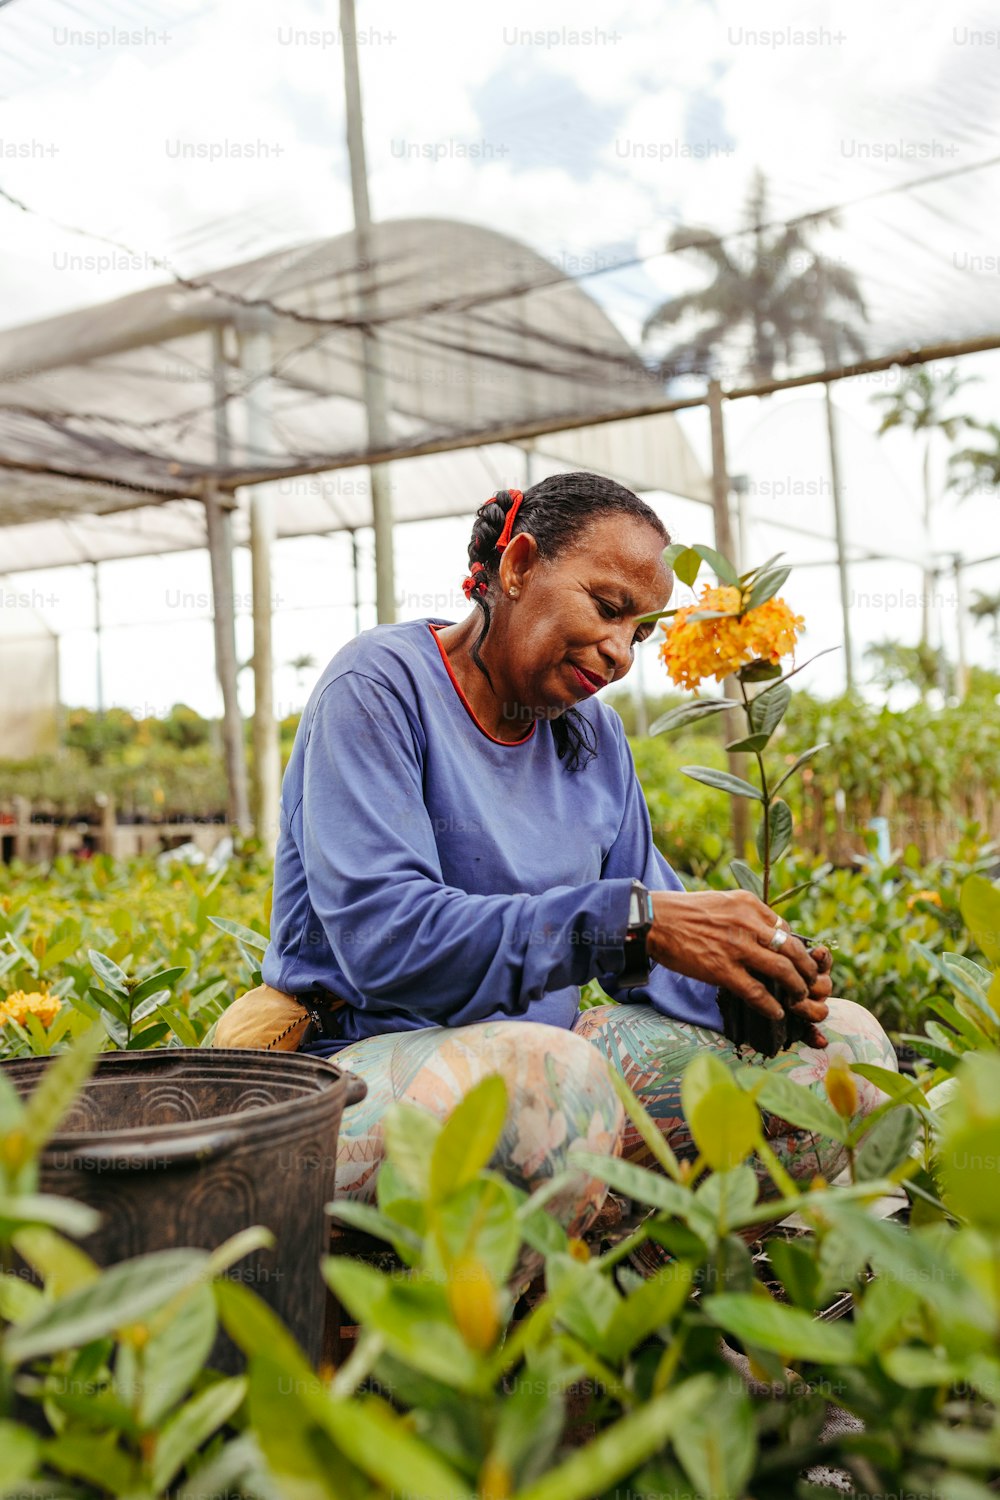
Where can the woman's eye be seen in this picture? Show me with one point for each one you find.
(607, 610)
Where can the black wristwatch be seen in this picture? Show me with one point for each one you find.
(640, 920)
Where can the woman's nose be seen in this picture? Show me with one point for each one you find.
(616, 648)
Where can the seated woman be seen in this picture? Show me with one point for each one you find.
(462, 840)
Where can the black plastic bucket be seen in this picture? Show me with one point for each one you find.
(184, 1146)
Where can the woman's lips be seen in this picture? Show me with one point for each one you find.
(587, 679)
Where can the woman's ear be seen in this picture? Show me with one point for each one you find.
(517, 561)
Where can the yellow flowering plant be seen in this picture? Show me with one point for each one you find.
(738, 628)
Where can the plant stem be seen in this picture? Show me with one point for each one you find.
(765, 796)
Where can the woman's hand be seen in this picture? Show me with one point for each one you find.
(722, 937)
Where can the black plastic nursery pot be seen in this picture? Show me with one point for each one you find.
(186, 1146)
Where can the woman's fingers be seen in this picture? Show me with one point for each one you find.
(822, 989)
(790, 966)
(753, 993)
(822, 958)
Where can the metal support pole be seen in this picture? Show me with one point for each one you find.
(733, 728)
(962, 675)
(219, 529)
(838, 531)
(376, 405)
(224, 624)
(256, 361)
(98, 636)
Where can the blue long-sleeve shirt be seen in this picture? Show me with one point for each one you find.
(430, 874)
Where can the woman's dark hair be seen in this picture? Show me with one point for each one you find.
(556, 511)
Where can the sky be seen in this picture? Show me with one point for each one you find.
(199, 134)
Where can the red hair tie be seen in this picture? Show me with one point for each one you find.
(471, 584)
(508, 524)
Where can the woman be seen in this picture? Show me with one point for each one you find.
(462, 832)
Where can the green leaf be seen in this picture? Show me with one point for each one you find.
(718, 1444)
(53, 1095)
(789, 1331)
(468, 1138)
(968, 1159)
(531, 1420)
(885, 1307)
(945, 1056)
(587, 1303)
(751, 744)
(746, 878)
(980, 977)
(193, 1425)
(623, 1446)
(652, 1306)
(94, 1459)
(722, 781)
(916, 1367)
(729, 1195)
(965, 985)
(896, 1085)
(800, 761)
(176, 1355)
(636, 1182)
(766, 586)
(162, 980)
(797, 1104)
(767, 709)
(147, 1006)
(247, 935)
(683, 561)
(705, 1071)
(62, 1265)
(725, 1126)
(371, 1221)
(687, 713)
(117, 1030)
(481, 1219)
(255, 1329)
(796, 1269)
(410, 1134)
(21, 1210)
(979, 901)
(803, 885)
(413, 1317)
(652, 1136)
(721, 566)
(780, 821)
(122, 1295)
(379, 1441)
(108, 971)
(19, 1300)
(19, 1453)
(179, 1025)
(761, 670)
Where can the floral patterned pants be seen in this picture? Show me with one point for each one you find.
(561, 1097)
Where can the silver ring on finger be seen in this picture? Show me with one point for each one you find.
(778, 937)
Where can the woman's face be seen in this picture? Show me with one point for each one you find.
(574, 624)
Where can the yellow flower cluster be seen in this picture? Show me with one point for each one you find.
(18, 1006)
(695, 649)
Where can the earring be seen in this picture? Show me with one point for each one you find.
(514, 592)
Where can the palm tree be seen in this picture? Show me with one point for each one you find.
(766, 305)
(920, 404)
(976, 468)
(764, 302)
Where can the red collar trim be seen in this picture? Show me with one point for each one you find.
(507, 744)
